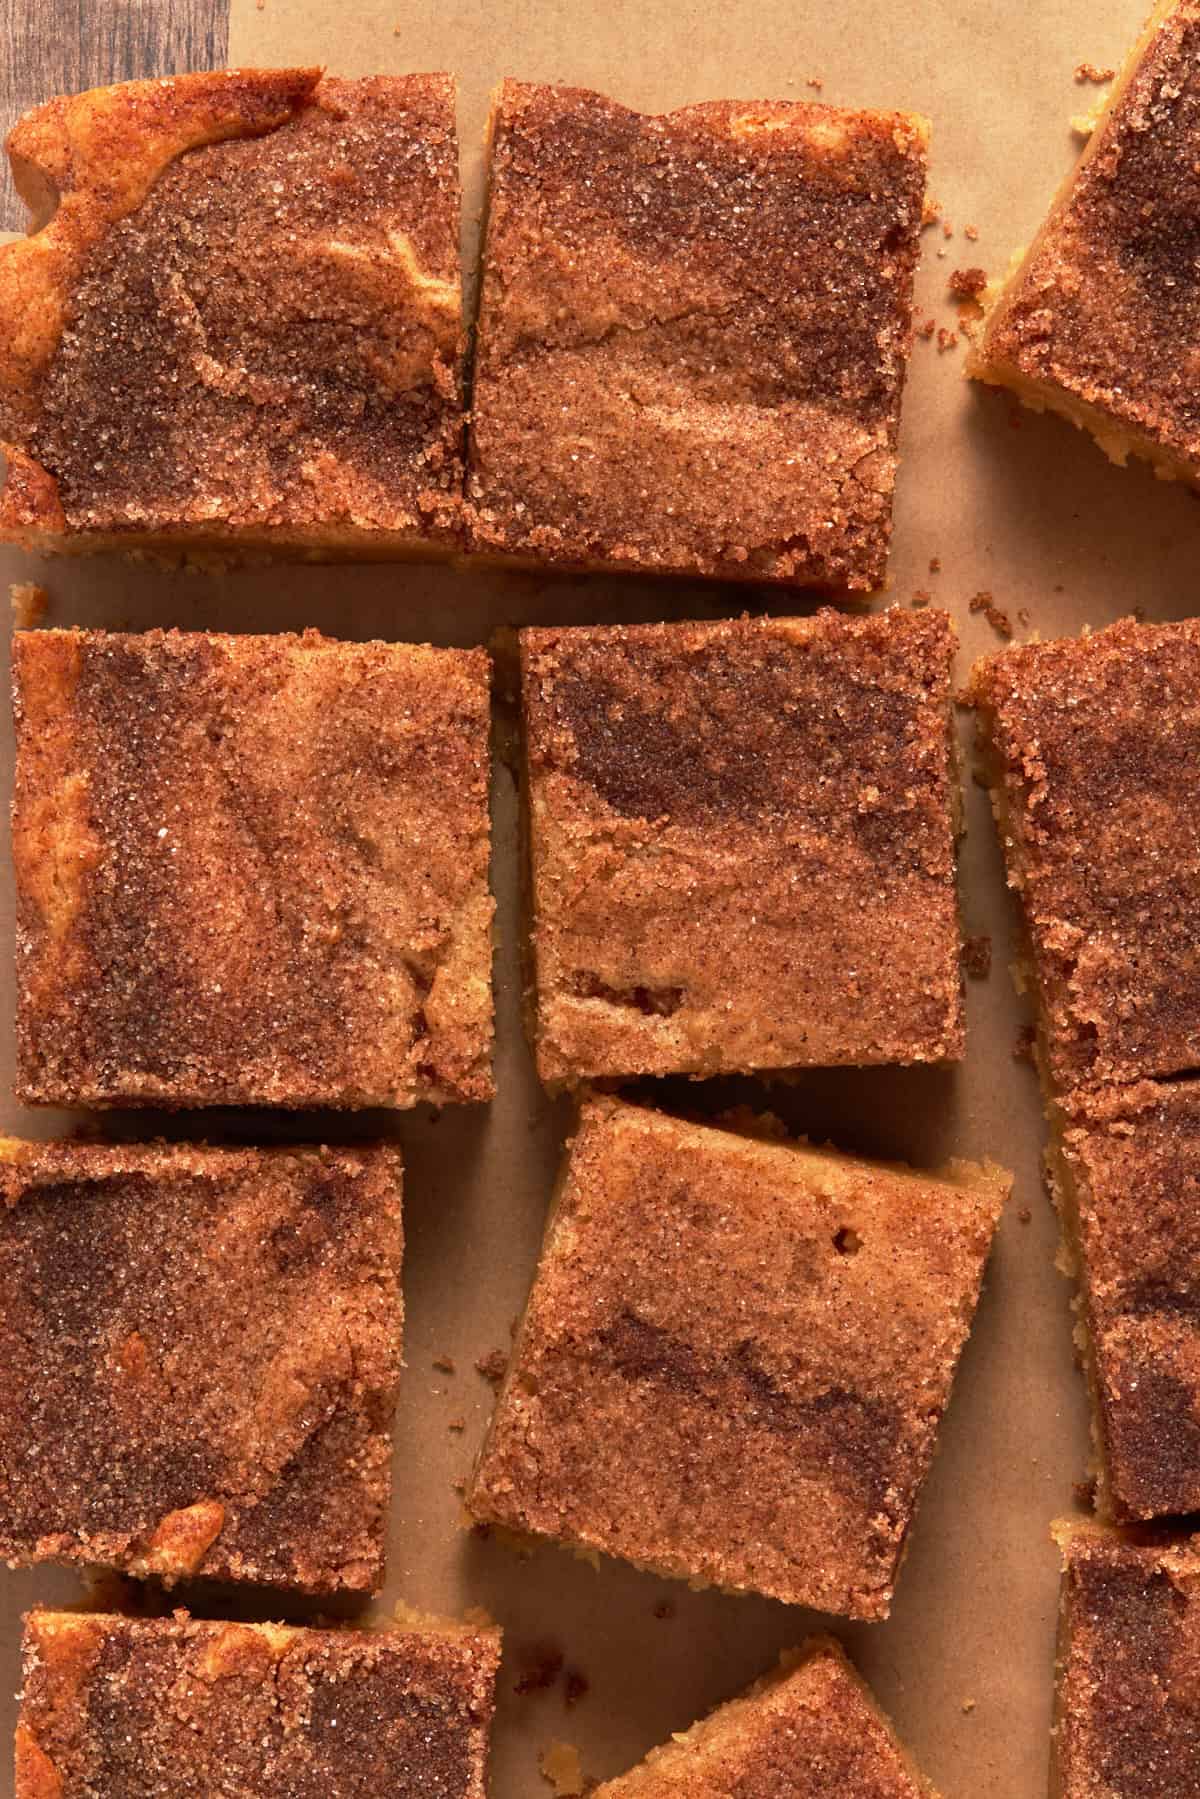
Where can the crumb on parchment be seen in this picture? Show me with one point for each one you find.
(560, 1765)
(493, 1366)
(997, 618)
(967, 284)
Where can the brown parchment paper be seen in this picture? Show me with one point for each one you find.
(1019, 506)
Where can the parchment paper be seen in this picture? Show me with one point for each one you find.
(1021, 507)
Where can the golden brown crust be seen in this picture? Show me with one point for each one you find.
(251, 870)
(141, 397)
(181, 1709)
(1132, 1158)
(1103, 318)
(742, 844)
(1095, 750)
(811, 1730)
(693, 335)
(208, 1436)
(1129, 1659)
(708, 1302)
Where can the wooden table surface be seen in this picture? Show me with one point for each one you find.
(59, 46)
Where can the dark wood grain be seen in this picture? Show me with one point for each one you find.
(59, 46)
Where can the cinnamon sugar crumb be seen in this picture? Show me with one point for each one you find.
(928, 328)
(920, 598)
(971, 233)
(444, 1364)
(935, 565)
(1087, 71)
(664, 1609)
(946, 340)
(457, 1424)
(999, 620)
(947, 228)
(493, 1366)
(814, 82)
(968, 1705)
(931, 212)
(1024, 1216)
(967, 284)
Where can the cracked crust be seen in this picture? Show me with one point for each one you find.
(675, 770)
(176, 1708)
(141, 400)
(693, 336)
(1129, 1170)
(1094, 760)
(251, 871)
(1101, 320)
(811, 1729)
(708, 1302)
(208, 1437)
(1129, 1660)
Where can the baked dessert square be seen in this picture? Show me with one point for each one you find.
(741, 845)
(1126, 1175)
(250, 871)
(693, 336)
(180, 1708)
(1092, 752)
(242, 326)
(1100, 321)
(709, 1301)
(1129, 1641)
(811, 1730)
(199, 1351)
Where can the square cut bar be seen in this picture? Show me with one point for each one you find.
(243, 324)
(251, 871)
(1101, 320)
(693, 336)
(1092, 752)
(742, 845)
(199, 1351)
(176, 1708)
(1126, 1175)
(811, 1730)
(1129, 1646)
(710, 1302)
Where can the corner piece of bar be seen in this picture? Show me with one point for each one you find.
(199, 1352)
(1129, 1648)
(1092, 754)
(693, 336)
(811, 1730)
(171, 1707)
(251, 871)
(1101, 320)
(708, 1301)
(1126, 1174)
(237, 324)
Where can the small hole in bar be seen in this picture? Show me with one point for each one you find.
(847, 1241)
